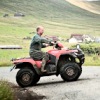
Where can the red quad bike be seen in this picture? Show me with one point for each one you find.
(66, 62)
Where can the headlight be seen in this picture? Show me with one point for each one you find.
(77, 60)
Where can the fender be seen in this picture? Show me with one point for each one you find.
(24, 60)
(61, 60)
(70, 54)
(18, 62)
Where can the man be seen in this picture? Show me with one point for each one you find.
(36, 45)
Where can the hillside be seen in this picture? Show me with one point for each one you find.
(96, 5)
(92, 6)
(44, 8)
(58, 16)
(52, 14)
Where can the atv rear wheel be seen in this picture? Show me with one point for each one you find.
(70, 72)
(26, 77)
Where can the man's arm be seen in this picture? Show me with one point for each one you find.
(44, 45)
(44, 40)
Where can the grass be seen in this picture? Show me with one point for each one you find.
(44, 9)
(7, 55)
(6, 92)
(59, 18)
(92, 60)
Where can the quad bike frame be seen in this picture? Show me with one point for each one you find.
(67, 63)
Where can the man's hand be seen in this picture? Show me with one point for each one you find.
(46, 45)
(51, 43)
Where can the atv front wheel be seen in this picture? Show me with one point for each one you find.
(70, 72)
(26, 77)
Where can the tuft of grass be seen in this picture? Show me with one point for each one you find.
(6, 93)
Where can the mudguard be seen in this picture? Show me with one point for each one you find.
(81, 57)
(35, 64)
(24, 60)
(70, 54)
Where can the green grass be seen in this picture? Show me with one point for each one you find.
(92, 60)
(7, 55)
(44, 9)
(59, 18)
(6, 92)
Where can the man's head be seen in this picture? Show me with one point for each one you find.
(40, 30)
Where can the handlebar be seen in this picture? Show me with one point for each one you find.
(52, 43)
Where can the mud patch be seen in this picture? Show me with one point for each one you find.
(25, 94)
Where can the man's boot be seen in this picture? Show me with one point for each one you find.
(43, 65)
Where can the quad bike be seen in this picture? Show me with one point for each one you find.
(66, 62)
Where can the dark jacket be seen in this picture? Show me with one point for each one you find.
(37, 43)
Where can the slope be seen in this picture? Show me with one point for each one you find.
(92, 6)
(44, 8)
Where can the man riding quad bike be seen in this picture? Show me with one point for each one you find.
(66, 62)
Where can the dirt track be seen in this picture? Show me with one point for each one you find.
(86, 88)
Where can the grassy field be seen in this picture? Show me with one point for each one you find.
(59, 18)
(89, 61)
